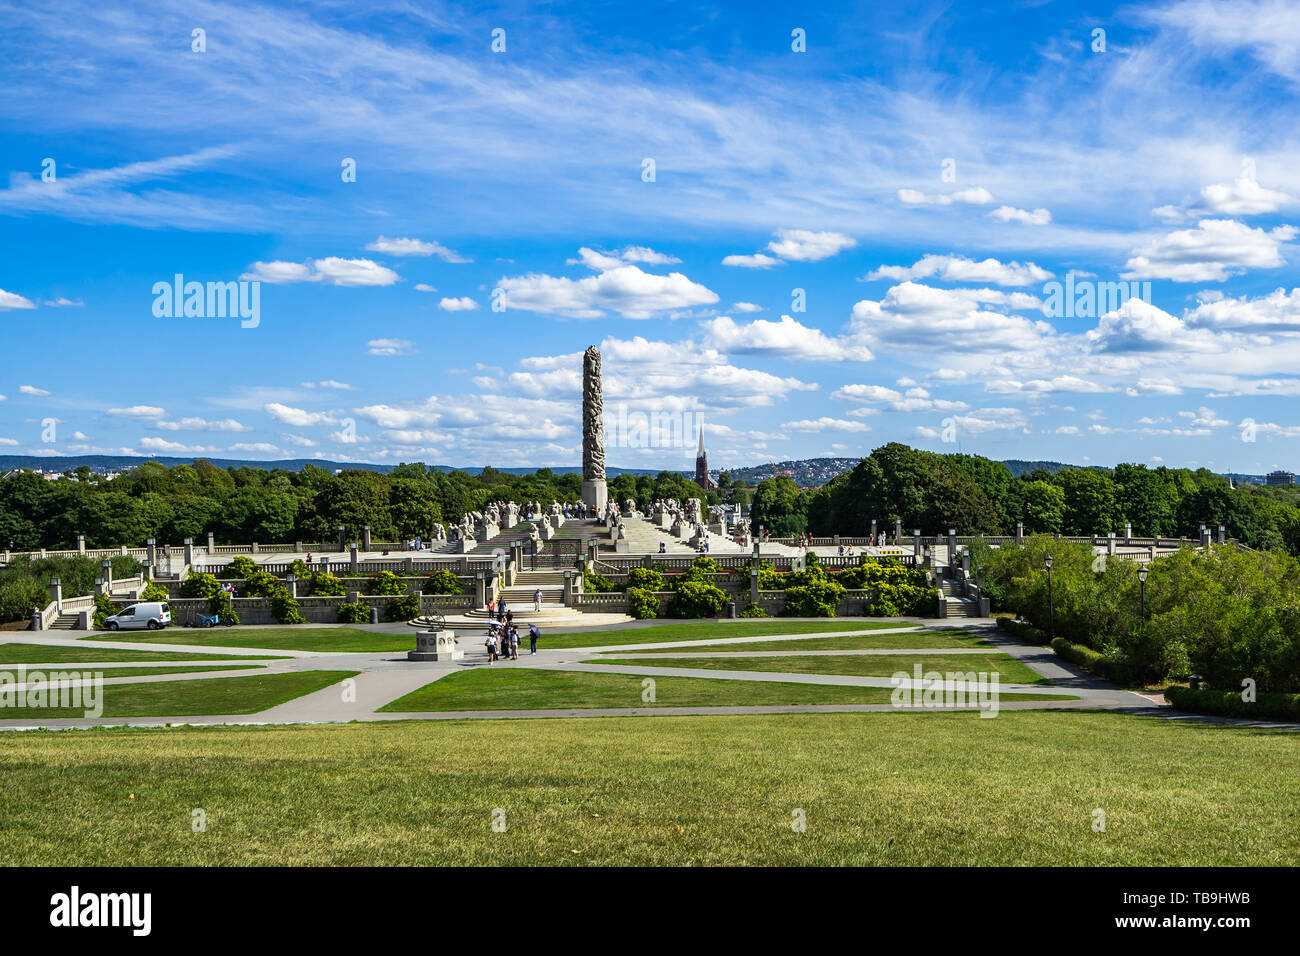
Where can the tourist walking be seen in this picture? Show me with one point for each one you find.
(491, 645)
(501, 610)
(514, 643)
(533, 635)
(537, 600)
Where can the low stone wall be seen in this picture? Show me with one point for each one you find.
(855, 603)
(350, 584)
(315, 610)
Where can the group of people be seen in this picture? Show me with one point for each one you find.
(502, 641)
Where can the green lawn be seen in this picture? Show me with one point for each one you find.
(519, 688)
(189, 698)
(855, 642)
(892, 789)
(707, 630)
(1009, 670)
(52, 653)
(108, 672)
(286, 638)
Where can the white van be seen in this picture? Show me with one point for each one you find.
(151, 614)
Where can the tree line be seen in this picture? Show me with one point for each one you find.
(977, 495)
(242, 505)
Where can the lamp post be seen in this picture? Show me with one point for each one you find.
(1143, 571)
(1051, 601)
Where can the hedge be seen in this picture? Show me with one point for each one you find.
(1092, 661)
(1228, 703)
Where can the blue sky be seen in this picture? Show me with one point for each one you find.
(920, 171)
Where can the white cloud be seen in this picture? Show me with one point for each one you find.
(424, 287)
(962, 269)
(300, 441)
(1276, 312)
(204, 425)
(33, 391)
(60, 302)
(298, 417)
(415, 247)
(137, 411)
(330, 383)
(618, 287)
(755, 261)
(786, 338)
(332, 270)
(261, 448)
(1039, 217)
(975, 196)
(824, 424)
(1213, 251)
(462, 304)
(745, 307)
(175, 447)
(802, 245)
(1243, 197)
(390, 347)
(916, 316)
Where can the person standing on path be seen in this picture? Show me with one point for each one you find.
(537, 600)
(491, 645)
(533, 635)
(514, 644)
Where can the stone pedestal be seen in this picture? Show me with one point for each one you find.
(595, 494)
(435, 646)
(465, 545)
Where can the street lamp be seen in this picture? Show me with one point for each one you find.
(1051, 601)
(1143, 571)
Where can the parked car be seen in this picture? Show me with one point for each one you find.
(150, 614)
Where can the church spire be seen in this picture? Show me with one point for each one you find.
(699, 452)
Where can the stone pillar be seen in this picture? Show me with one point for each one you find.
(916, 542)
(146, 570)
(152, 550)
(343, 538)
(1223, 535)
(212, 543)
(873, 531)
(1205, 537)
(252, 548)
(965, 563)
(106, 572)
(352, 559)
(56, 593)
(952, 546)
(568, 589)
(81, 544)
(1128, 533)
(1151, 553)
(1020, 532)
(298, 548)
(757, 555)
(753, 585)
(365, 538)
(480, 590)
(291, 582)
(898, 532)
(189, 552)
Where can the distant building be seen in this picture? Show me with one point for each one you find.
(702, 466)
(1279, 478)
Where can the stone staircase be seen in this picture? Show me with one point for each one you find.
(958, 606)
(64, 622)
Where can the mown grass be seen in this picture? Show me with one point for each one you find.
(287, 638)
(519, 688)
(877, 789)
(852, 642)
(108, 672)
(190, 698)
(58, 653)
(1008, 669)
(707, 630)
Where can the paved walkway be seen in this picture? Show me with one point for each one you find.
(387, 676)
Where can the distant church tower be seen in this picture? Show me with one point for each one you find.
(702, 465)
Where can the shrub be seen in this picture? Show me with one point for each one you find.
(815, 599)
(642, 603)
(354, 612)
(597, 583)
(262, 584)
(240, 567)
(442, 581)
(753, 610)
(402, 608)
(18, 595)
(1228, 703)
(300, 569)
(1092, 661)
(385, 582)
(155, 592)
(104, 607)
(285, 609)
(645, 579)
(324, 584)
(769, 578)
(199, 585)
(697, 599)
